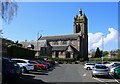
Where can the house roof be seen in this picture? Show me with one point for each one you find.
(37, 44)
(61, 37)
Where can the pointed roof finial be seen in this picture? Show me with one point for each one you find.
(80, 11)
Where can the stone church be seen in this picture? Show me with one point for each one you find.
(64, 46)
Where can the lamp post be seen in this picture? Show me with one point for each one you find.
(37, 47)
(38, 37)
(102, 47)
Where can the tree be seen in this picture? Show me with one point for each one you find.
(8, 8)
(105, 53)
(93, 54)
(118, 53)
(98, 53)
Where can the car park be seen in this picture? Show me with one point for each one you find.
(100, 69)
(89, 66)
(24, 64)
(10, 69)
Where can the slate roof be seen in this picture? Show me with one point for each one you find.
(37, 44)
(59, 48)
(74, 49)
(63, 48)
(60, 37)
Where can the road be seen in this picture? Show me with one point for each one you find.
(65, 73)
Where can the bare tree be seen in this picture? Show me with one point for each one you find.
(8, 9)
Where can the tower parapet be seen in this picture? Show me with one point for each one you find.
(80, 23)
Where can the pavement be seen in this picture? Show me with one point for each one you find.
(63, 74)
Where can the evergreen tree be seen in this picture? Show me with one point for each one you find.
(98, 53)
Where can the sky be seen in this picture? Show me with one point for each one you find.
(56, 18)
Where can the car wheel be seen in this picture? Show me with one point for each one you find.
(93, 75)
(119, 75)
(35, 69)
(25, 70)
(88, 68)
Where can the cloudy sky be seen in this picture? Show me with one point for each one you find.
(54, 18)
(98, 39)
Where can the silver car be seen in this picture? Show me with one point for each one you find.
(100, 69)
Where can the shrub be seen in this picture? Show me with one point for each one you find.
(20, 52)
(105, 59)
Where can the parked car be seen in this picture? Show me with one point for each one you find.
(10, 69)
(117, 72)
(111, 70)
(24, 64)
(42, 65)
(48, 62)
(56, 63)
(60, 62)
(36, 65)
(109, 64)
(89, 66)
(100, 69)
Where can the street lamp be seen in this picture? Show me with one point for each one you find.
(38, 37)
(102, 47)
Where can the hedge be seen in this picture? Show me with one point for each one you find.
(105, 59)
(20, 52)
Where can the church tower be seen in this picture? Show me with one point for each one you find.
(81, 28)
(80, 23)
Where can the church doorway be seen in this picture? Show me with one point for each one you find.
(68, 55)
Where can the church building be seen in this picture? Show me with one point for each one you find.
(65, 46)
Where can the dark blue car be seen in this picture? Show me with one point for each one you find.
(10, 69)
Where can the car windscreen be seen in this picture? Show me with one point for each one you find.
(39, 61)
(14, 64)
(100, 67)
(43, 62)
(116, 64)
(90, 64)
